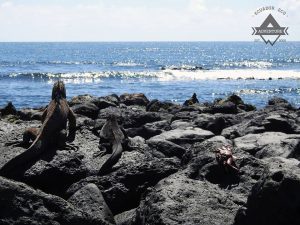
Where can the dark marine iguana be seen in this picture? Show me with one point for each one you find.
(112, 134)
(52, 131)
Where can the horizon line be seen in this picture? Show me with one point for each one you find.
(133, 41)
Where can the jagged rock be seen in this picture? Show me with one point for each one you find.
(168, 148)
(142, 131)
(113, 98)
(231, 105)
(134, 99)
(214, 123)
(181, 136)
(86, 109)
(258, 122)
(275, 199)
(270, 144)
(126, 218)
(134, 172)
(54, 174)
(21, 204)
(9, 109)
(193, 100)
(159, 125)
(179, 124)
(81, 99)
(158, 106)
(181, 200)
(185, 116)
(283, 122)
(103, 103)
(130, 118)
(280, 102)
(30, 114)
(225, 107)
(90, 200)
(136, 143)
(203, 166)
(168, 173)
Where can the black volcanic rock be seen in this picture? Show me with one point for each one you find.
(168, 172)
(158, 106)
(86, 109)
(275, 199)
(270, 144)
(193, 100)
(81, 99)
(90, 200)
(9, 109)
(21, 204)
(135, 172)
(134, 99)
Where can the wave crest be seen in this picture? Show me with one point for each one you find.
(171, 75)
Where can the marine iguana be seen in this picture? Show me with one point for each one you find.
(52, 131)
(112, 134)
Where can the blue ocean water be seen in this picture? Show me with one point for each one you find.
(162, 70)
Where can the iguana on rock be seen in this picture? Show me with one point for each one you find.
(52, 131)
(112, 134)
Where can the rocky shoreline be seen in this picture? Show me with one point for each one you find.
(168, 174)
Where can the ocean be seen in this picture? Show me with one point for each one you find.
(170, 71)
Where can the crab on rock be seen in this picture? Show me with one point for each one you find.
(225, 158)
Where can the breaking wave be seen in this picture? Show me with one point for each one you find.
(170, 75)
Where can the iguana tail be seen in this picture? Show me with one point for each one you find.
(17, 162)
(113, 159)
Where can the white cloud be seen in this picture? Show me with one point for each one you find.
(290, 5)
(197, 6)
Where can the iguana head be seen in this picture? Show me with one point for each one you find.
(58, 90)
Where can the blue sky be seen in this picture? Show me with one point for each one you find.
(139, 20)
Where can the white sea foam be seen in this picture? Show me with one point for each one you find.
(229, 74)
(249, 64)
(127, 64)
(175, 75)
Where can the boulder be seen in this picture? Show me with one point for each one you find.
(90, 200)
(280, 102)
(181, 200)
(203, 166)
(21, 204)
(168, 148)
(159, 106)
(9, 109)
(86, 109)
(270, 144)
(193, 100)
(134, 99)
(126, 218)
(283, 122)
(142, 131)
(179, 124)
(187, 135)
(231, 105)
(31, 114)
(275, 198)
(214, 123)
(130, 118)
(225, 107)
(131, 176)
(102, 103)
(55, 173)
(268, 119)
(81, 99)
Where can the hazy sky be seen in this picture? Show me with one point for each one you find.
(139, 20)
